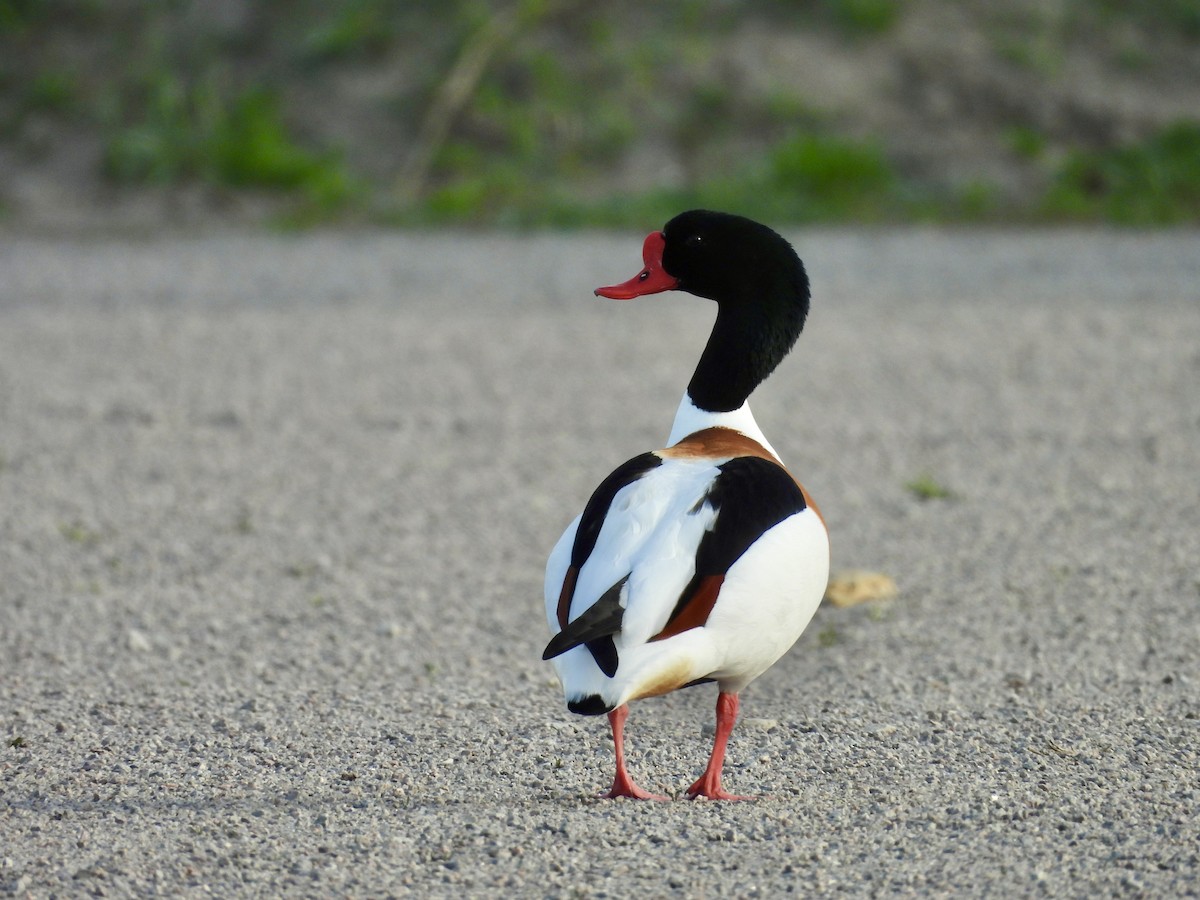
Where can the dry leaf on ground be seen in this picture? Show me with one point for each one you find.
(851, 587)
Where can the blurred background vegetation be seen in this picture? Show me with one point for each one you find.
(564, 113)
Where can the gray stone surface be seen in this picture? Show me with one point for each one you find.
(274, 511)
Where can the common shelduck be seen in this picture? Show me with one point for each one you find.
(706, 560)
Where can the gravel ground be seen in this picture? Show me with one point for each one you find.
(274, 513)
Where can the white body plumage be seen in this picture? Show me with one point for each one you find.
(650, 536)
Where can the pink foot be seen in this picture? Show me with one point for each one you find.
(709, 784)
(623, 785)
(710, 789)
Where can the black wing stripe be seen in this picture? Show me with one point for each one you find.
(597, 506)
(596, 626)
(750, 496)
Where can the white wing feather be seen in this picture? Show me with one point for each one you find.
(650, 534)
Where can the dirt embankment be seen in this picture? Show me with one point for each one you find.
(956, 94)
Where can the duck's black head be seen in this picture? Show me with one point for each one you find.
(730, 259)
(757, 281)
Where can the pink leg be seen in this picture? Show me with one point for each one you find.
(709, 784)
(623, 785)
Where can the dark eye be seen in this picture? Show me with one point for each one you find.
(694, 240)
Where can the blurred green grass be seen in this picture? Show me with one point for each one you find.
(1153, 182)
(511, 124)
(181, 132)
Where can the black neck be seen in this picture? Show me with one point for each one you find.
(749, 339)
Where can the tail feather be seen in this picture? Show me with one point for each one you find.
(595, 628)
(590, 705)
